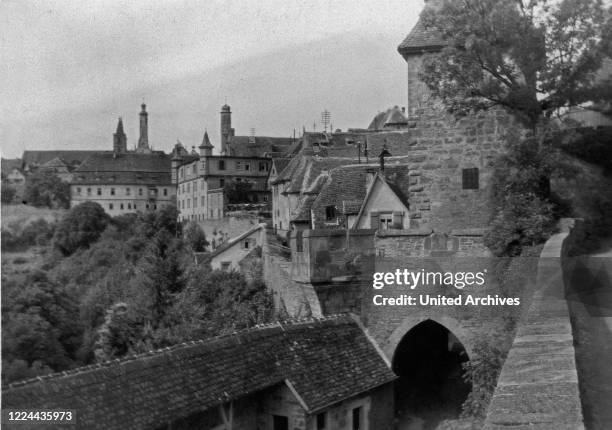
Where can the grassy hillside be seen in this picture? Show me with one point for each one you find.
(16, 217)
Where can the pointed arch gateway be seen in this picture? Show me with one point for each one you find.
(428, 359)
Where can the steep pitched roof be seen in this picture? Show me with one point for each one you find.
(227, 245)
(279, 164)
(392, 116)
(126, 168)
(325, 361)
(56, 163)
(258, 146)
(420, 39)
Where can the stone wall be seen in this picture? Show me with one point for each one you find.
(538, 385)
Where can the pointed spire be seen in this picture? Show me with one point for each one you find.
(120, 126)
(206, 141)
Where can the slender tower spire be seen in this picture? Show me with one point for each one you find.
(143, 141)
(119, 138)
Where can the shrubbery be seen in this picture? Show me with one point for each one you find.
(44, 189)
(36, 233)
(127, 285)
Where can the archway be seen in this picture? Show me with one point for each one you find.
(430, 387)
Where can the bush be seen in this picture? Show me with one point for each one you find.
(80, 227)
(482, 372)
(44, 189)
(38, 232)
(195, 236)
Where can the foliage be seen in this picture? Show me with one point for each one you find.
(129, 286)
(40, 326)
(238, 192)
(482, 372)
(7, 193)
(588, 144)
(38, 232)
(195, 236)
(80, 227)
(44, 189)
(530, 57)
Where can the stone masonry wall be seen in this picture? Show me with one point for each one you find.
(538, 384)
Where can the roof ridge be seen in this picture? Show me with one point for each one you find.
(292, 322)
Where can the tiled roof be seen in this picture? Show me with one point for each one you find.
(420, 39)
(70, 157)
(346, 188)
(326, 361)
(280, 163)
(392, 116)
(225, 246)
(302, 212)
(242, 146)
(307, 169)
(124, 168)
(56, 162)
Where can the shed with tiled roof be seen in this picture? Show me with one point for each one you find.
(320, 364)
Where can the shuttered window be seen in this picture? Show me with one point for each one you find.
(470, 179)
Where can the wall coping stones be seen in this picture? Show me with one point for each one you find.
(468, 232)
(538, 384)
(408, 232)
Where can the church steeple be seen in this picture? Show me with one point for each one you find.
(143, 141)
(119, 138)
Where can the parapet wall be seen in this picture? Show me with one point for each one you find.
(538, 384)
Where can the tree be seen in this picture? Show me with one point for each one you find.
(531, 57)
(8, 193)
(238, 192)
(80, 227)
(195, 236)
(44, 189)
(40, 325)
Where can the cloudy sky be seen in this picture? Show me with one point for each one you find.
(68, 69)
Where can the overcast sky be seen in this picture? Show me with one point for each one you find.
(60, 59)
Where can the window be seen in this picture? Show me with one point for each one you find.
(188, 203)
(246, 244)
(154, 206)
(263, 166)
(129, 206)
(128, 191)
(195, 186)
(330, 212)
(221, 182)
(165, 191)
(280, 422)
(140, 191)
(470, 179)
(225, 265)
(238, 165)
(221, 164)
(299, 241)
(202, 201)
(357, 424)
(322, 421)
(386, 221)
(99, 191)
(78, 190)
(147, 206)
(265, 198)
(110, 206)
(193, 169)
(121, 206)
(188, 187)
(112, 191)
(89, 191)
(247, 166)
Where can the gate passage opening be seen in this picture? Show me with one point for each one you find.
(430, 387)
